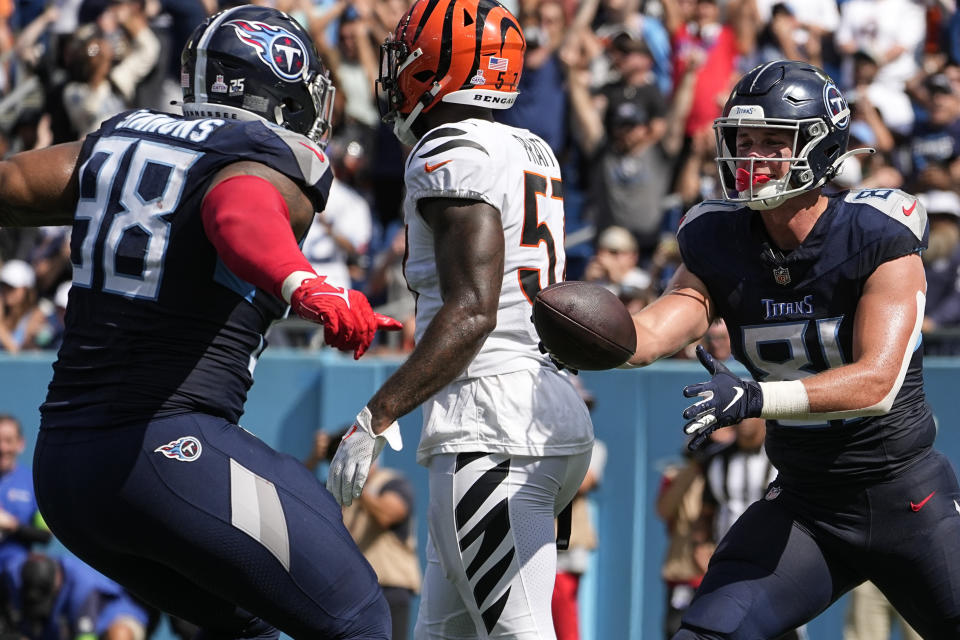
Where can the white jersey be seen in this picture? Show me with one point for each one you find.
(515, 172)
(510, 398)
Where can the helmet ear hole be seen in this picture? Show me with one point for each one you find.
(291, 105)
(423, 76)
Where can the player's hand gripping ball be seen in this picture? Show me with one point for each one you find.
(584, 326)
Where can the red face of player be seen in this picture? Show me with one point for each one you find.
(765, 147)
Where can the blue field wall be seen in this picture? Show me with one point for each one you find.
(637, 414)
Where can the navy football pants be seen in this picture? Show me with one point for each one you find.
(231, 535)
(791, 555)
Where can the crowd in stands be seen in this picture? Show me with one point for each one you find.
(624, 91)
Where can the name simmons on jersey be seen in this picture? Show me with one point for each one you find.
(149, 122)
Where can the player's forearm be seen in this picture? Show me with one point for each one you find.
(448, 345)
(38, 188)
(850, 391)
(664, 330)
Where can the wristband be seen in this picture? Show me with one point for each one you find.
(786, 399)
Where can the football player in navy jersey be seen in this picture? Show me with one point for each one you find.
(823, 298)
(184, 250)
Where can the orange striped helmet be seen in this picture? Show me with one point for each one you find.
(463, 51)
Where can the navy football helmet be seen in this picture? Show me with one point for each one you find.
(785, 95)
(256, 62)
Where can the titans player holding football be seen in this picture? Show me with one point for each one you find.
(506, 437)
(823, 297)
(184, 250)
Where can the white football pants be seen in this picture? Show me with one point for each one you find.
(491, 550)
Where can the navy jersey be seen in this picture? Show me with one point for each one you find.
(791, 316)
(156, 324)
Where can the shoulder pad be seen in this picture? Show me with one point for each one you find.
(896, 204)
(310, 159)
(707, 206)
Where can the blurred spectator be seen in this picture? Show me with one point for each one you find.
(810, 23)
(352, 61)
(107, 61)
(700, 37)
(891, 32)
(635, 83)
(542, 105)
(615, 263)
(18, 299)
(338, 238)
(867, 94)
(21, 526)
(64, 599)
(50, 258)
(610, 18)
(737, 475)
(46, 323)
(679, 502)
(935, 142)
(388, 286)
(870, 616)
(88, 97)
(630, 153)
(382, 524)
(941, 263)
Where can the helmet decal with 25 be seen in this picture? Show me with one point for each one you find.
(790, 97)
(252, 62)
(466, 52)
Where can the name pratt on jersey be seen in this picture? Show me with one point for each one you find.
(537, 151)
(774, 309)
(193, 130)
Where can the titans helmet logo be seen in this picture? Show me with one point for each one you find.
(836, 106)
(276, 47)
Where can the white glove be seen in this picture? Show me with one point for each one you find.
(357, 451)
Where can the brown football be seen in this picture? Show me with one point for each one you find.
(584, 325)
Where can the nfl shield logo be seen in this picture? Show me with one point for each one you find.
(781, 275)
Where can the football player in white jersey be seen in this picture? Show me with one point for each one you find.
(506, 437)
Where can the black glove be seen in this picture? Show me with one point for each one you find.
(727, 400)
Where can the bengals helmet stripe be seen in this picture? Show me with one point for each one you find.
(462, 51)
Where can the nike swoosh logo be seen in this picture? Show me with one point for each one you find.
(737, 392)
(315, 152)
(917, 507)
(430, 168)
(906, 211)
(957, 506)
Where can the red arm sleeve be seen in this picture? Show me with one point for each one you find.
(248, 222)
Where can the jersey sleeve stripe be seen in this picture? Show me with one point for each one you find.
(442, 132)
(453, 144)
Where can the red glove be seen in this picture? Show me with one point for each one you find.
(348, 321)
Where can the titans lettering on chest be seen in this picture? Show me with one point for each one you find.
(772, 308)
